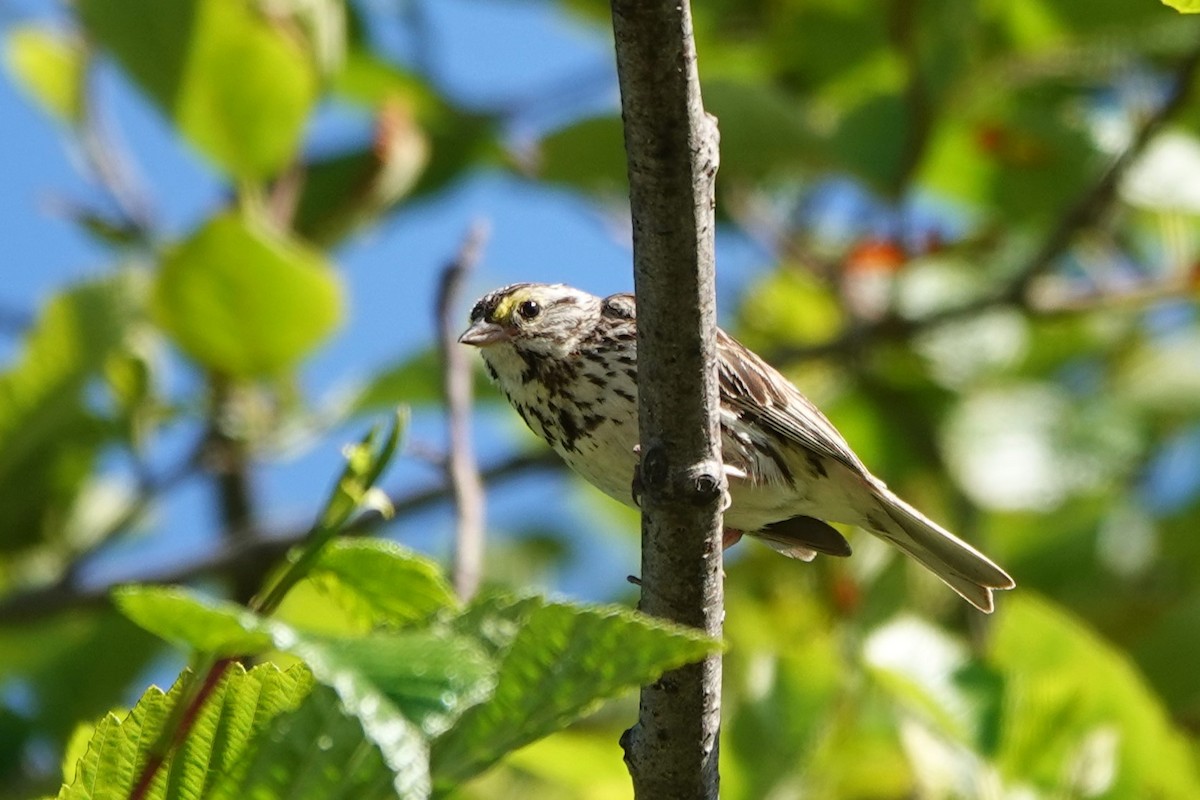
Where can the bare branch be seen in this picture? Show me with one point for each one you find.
(671, 147)
(462, 473)
(249, 558)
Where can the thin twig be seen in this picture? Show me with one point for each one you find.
(462, 473)
(111, 165)
(250, 557)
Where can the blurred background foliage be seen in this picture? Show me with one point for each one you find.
(968, 229)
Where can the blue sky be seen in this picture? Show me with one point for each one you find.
(483, 55)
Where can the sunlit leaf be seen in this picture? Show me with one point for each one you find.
(394, 585)
(232, 82)
(50, 66)
(240, 717)
(244, 300)
(1065, 684)
(192, 621)
(562, 660)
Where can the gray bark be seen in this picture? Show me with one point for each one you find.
(671, 147)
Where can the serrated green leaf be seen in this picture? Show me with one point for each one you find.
(50, 66)
(399, 740)
(234, 84)
(314, 752)
(402, 687)
(432, 677)
(245, 301)
(392, 584)
(190, 620)
(227, 731)
(562, 662)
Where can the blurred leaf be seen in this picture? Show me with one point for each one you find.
(764, 138)
(192, 621)
(232, 82)
(347, 191)
(415, 380)
(1184, 6)
(916, 664)
(588, 155)
(788, 306)
(780, 708)
(393, 585)
(592, 653)
(48, 436)
(1065, 684)
(50, 66)
(245, 301)
(1162, 375)
(584, 762)
(458, 139)
(238, 718)
(1022, 156)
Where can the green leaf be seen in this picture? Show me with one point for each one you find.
(402, 687)
(245, 301)
(1066, 686)
(432, 677)
(229, 728)
(187, 619)
(237, 86)
(588, 155)
(314, 752)
(390, 583)
(50, 66)
(561, 662)
(48, 436)
(763, 135)
(1184, 6)
(347, 191)
(414, 381)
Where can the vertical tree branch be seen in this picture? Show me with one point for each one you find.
(462, 473)
(671, 147)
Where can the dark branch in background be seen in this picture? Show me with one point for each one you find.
(248, 558)
(1091, 205)
(671, 147)
(226, 458)
(462, 473)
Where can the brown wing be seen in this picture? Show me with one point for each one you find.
(759, 395)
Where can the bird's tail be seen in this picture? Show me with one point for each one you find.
(963, 568)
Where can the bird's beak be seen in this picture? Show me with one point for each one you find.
(483, 333)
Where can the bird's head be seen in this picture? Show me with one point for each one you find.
(535, 317)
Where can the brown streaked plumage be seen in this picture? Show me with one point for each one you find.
(567, 362)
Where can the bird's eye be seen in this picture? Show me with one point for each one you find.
(529, 309)
(477, 312)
